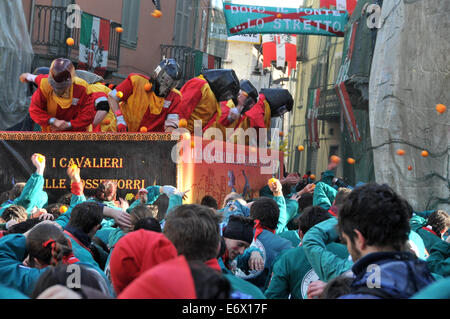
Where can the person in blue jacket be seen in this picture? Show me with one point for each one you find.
(374, 223)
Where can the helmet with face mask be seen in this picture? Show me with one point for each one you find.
(280, 101)
(61, 75)
(166, 77)
(251, 92)
(224, 84)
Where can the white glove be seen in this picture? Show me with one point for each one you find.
(234, 114)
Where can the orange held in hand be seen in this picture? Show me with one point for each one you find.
(335, 159)
(182, 123)
(119, 30)
(40, 158)
(63, 209)
(70, 42)
(401, 152)
(425, 153)
(301, 148)
(74, 166)
(147, 87)
(272, 181)
(351, 161)
(119, 94)
(156, 13)
(441, 108)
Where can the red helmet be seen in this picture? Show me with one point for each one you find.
(61, 74)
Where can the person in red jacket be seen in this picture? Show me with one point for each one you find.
(62, 101)
(148, 104)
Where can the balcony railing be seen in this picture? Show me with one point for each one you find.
(50, 32)
(329, 106)
(186, 58)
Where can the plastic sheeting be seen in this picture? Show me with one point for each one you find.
(410, 75)
(16, 56)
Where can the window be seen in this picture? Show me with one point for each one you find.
(130, 23)
(182, 22)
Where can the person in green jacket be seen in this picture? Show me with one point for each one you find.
(292, 273)
(437, 290)
(32, 196)
(431, 229)
(439, 260)
(25, 257)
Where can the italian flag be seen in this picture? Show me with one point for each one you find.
(94, 43)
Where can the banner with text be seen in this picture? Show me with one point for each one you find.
(248, 19)
(134, 163)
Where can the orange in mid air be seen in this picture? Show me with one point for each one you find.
(401, 152)
(182, 123)
(63, 209)
(335, 159)
(301, 148)
(312, 176)
(425, 153)
(143, 129)
(119, 94)
(156, 13)
(351, 161)
(119, 30)
(147, 87)
(409, 168)
(441, 108)
(70, 42)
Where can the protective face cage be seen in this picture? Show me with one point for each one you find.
(166, 77)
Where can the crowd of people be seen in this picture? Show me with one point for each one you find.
(299, 239)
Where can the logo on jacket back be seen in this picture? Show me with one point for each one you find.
(310, 276)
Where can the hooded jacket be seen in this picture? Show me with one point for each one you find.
(400, 275)
(137, 252)
(169, 280)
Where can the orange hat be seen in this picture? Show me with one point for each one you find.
(137, 252)
(169, 280)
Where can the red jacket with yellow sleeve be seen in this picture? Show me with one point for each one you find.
(78, 108)
(141, 107)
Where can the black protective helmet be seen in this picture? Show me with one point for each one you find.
(166, 77)
(280, 101)
(252, 93)
(223, 82)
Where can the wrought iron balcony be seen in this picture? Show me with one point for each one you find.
(188, 59)
(50, 31)
(329, 106)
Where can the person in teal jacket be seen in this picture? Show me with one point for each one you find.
(24, 257)
(439, 260)
(432, 228)
(292, 273)
(265, 212)
(32, 195)
(437, 290)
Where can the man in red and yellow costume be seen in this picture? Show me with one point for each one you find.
(202, 96)
(62, 101)
(143, 104)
